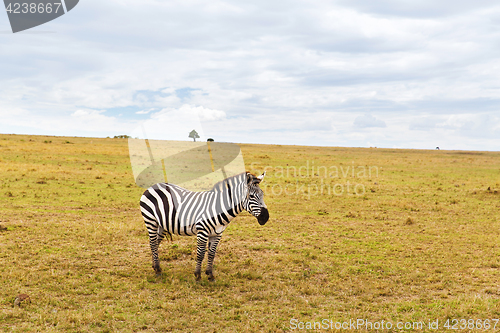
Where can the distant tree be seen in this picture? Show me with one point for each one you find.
(122, 136)
(210, 140)
(194, 135)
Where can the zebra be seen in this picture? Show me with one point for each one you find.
(171, 209)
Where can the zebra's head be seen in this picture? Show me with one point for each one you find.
(255, 199)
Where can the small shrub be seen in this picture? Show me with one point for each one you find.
(322, 212)
(409, 221)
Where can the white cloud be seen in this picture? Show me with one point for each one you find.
(206, 114)
(367, 121)
(91, 115)
(144, 111)
(424, 123)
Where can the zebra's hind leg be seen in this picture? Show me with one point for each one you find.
(154, 241)
(201, 238)
(212, 248)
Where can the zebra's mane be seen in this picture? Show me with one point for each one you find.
(220, 186)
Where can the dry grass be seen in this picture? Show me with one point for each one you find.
(419, 243)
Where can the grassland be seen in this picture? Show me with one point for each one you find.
(414, 240)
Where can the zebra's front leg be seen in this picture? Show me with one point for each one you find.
(212, 248)
(201, 238)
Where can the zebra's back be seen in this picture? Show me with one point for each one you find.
(174, 208)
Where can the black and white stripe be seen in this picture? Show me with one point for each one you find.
(169, 209)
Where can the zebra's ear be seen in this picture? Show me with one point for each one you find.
(250, 177)
(261, 177)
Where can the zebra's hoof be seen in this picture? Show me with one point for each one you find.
(197, 276)
(210, 276)
(157, 268)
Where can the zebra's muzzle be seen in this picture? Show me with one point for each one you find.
(263, 217)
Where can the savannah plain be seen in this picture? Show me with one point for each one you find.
(413, 238)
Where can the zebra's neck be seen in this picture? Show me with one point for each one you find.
(231, 194)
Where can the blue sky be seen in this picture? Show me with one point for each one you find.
(391, 73)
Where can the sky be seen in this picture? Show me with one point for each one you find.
(351, 73)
